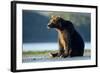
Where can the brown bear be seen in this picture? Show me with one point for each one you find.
(70, 42)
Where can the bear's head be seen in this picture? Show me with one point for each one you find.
(54, 22)
(60, 24)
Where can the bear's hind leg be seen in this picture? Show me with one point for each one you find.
(77, 53)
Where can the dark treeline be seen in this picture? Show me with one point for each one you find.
(35, 25)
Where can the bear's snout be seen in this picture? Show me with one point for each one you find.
(50, 25)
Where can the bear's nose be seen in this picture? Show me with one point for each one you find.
(49, 24)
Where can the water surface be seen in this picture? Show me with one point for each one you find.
(45, 46)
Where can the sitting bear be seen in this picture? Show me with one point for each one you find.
(70, 42)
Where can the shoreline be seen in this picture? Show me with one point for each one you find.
(43, 56)
(87, 52)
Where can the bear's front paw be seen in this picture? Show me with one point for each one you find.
(53, 54)
(64, 55)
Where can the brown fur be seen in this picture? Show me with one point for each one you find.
(68, 38)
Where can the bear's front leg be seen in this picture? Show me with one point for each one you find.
(66, 44)
(66, 49)
(66, 53)
(60, 50)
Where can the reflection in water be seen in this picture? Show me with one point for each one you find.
(45, 46)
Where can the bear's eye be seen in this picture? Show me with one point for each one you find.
(54, 20)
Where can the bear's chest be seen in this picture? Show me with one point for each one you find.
(63, 36)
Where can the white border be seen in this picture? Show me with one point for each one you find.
(21, 65)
